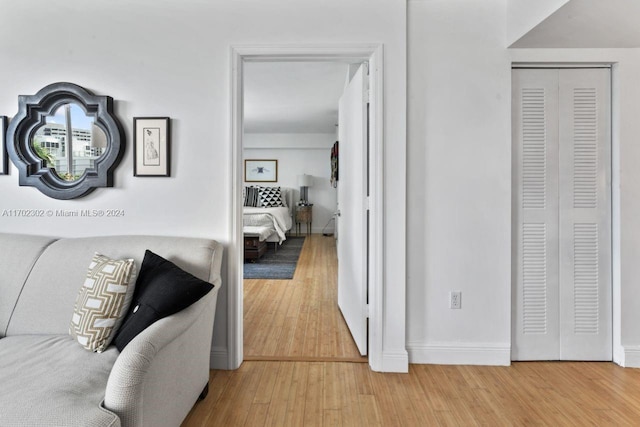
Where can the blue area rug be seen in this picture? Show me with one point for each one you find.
(276, 264)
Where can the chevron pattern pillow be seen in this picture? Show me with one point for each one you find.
(102, 302)
(270, 197)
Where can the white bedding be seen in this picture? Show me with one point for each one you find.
(262, 233)
(279, 219)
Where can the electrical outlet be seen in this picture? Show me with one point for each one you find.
(455, 299)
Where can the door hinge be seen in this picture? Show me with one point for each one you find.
(366, 311)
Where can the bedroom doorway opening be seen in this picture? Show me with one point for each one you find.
(318, 258)
(294, 114)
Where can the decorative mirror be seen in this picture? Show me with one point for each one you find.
(65, 141)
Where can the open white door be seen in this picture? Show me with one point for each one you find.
(352, 198)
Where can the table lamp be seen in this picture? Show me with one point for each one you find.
(304, 181)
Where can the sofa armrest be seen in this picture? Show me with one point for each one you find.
(159, 375)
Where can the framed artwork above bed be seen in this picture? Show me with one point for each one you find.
(260, 170)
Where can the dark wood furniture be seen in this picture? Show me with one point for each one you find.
(253, 247)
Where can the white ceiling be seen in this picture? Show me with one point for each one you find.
(292, 97)
(588, 24)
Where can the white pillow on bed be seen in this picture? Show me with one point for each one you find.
(284, 192)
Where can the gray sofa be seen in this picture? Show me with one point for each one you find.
(48, 379)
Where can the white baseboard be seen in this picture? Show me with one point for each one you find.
(631, 356)
(460, 353)
(395, 362)
(219, 358)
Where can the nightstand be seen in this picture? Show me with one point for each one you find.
(304, 214)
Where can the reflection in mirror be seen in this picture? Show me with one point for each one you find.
(87, 142)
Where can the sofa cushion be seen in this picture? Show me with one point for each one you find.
(102, 302)
(162, 289)
(46, 302)
(49, 380)
(18, 253)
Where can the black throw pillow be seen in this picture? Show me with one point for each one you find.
(162, 289)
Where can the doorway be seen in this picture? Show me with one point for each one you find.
(373, 55)
(562, 281)
(291, 112)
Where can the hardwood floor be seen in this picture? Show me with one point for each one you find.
(299, 319)
(349, 394)
(298, 324)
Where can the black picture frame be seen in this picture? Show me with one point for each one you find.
(152, 146)
(4, 157)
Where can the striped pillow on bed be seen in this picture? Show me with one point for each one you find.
(252, 196)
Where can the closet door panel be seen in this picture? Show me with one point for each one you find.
(535, 332)
(585, 219)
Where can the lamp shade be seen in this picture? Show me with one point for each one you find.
(305, 180)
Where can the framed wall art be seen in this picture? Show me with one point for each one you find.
(4, 159)
(152, 146)
(260, 170)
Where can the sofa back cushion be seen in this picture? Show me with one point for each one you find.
(46, 303)
(18, 254)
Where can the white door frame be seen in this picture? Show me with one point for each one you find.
(271, 53)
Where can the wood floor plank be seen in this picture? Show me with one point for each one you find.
(370, 411)
(280, 397)
(297, 395)
(257, 414)
(313, 405)
(381, 389)
(331, 398)
(345, 385)
(332, 418)
(266, 386)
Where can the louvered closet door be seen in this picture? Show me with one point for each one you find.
(561, 227)
(585, 215)
(536, 266)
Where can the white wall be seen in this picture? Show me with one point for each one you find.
(172, 58)
(297, 154)
(459, 182)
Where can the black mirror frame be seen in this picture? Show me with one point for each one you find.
(32, 110)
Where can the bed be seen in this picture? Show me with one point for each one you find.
(268, 224)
